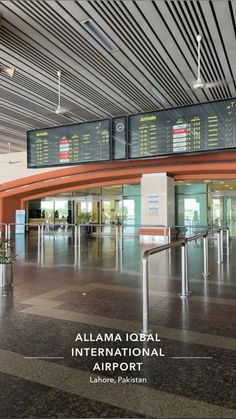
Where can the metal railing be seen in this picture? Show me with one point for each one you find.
(21, 224)
(116, 226)
(157, 226)
(184, 271)
(47, 225)
(188, 227)
(119, 234)
(211, 229)
(220, 244)
(9, 235)
(119, 229)
(5, 230)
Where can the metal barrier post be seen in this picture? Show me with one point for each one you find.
(221, 243)
(186, 269)
(39, 245)
(3, 229)
(9, 232)
(205, 255)
(121, 235)
(117, 235)
(145, 329)
(42, 235)
(39, 235)
(227, 241)
(219, 258)
(184, 293)
(169, 235)
(75, 235)
(79, 235)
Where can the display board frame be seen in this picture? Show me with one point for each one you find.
(181, 153)
(29, 166)
(127, 138)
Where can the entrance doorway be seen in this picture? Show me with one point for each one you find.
(224, 212)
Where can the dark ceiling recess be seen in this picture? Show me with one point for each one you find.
(116, 58)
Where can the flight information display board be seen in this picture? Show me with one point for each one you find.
(188, 129)
(70, 144)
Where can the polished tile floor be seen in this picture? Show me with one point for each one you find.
(63, 291)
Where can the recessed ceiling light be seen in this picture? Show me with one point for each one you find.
(7, 71)
(99, 35)
(157, 95)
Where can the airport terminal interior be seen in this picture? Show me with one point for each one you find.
(117, 209)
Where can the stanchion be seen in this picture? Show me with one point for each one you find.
(39, 245)
(169, 237)
(121, 236)
(79, 235)
(42, 235)
(227, 241)
(221, 243)
(186, 269)
(39, 235)
(42, 245)
(117, 235)
(183, 294)
(145, 330)
(219, 257)
(9, 232)
(205, 256)
(76, 249)
(75, 235)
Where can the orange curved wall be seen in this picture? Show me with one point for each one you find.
(213, 165)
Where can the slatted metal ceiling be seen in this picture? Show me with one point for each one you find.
(156, 47)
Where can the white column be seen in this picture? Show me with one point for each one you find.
(157, 200)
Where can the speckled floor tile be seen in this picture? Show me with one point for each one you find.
(47, 308)
(18, 395)
(60, 404)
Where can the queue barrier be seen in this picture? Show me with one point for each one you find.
(5, 230)
(26, 225)
(211, 229)
(80, 226)
(184, 272)
(158, 226)
(48, 225)
(119, 234)
(119, 229)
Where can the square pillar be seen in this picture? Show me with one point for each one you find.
(157, 203)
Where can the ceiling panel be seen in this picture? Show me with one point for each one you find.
(157, 47)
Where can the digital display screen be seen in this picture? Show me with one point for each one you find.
(70, 144)
(191, 128)
(201, 127)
